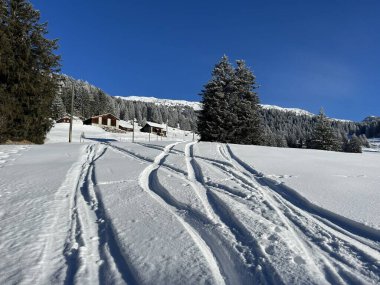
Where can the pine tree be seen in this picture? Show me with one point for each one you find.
(354, 145)
(212, 118)
(58, 109)
(247, 128)
(28, 69)
(323, 136)
(231, 111)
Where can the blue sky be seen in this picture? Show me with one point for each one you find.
(306, 54)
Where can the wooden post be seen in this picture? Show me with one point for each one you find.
(133, 132)
(72, 111)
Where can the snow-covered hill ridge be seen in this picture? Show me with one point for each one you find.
(198, 106)
(298, 112)
(167, 102)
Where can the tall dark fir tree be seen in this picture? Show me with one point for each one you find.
(212, 121)
(230, 106)
(323, 136)
(249, 129)
(28, 73)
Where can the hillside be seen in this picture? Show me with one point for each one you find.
(284, 127)
(109, 212)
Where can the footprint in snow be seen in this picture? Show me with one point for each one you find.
(299, 260)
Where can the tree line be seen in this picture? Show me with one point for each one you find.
(90, 100)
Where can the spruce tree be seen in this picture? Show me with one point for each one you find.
(323, 136)
(354, 145)
(230, 106)
(212, 119)
(28, 69)
(248, 128)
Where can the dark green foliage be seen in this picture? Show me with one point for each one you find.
(323, 136)
(28, 83)
(247, 128)
(215, 122)
(354, 145)
(230, 106)
(90, 100)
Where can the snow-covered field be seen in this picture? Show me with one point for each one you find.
(60, 133)
(172, 212)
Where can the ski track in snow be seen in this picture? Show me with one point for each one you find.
(250, 229)
(335, 252)
(91, 251)
(10, 153)
(329, 253)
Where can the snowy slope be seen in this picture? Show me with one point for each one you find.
(298, 112)
(169, 212)
(198, 106)
(166, 102)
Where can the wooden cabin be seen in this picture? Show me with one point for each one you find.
(125, 126)
(150, 127)
(66, 119)
(108, 120)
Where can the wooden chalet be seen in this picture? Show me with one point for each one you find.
(125, 126)
(150, 127)
(108, 120)
(66, 119)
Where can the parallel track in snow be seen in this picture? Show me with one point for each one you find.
(335, 251)
(246, 230)
(91, 251)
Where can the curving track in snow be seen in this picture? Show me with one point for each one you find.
(188, 213)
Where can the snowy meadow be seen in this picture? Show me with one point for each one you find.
(181, 212)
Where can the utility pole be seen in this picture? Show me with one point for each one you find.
(133, 132)
(71, 115)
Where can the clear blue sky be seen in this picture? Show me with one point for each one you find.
(306, 54)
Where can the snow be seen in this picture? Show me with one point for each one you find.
(182, 212)
(197, 106)
(166, 102)
(60, 133)
(343, 183)
(296, 111)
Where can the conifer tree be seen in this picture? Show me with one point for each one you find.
(323, 136)
(354, 145)
(230, 106)
(212, 119)
(248, 129)
(28, 70)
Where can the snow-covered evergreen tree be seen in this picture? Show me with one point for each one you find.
(230, 106)
(58, 109)
(323, 136)
(212, 121)
(354, 145)
(247, 128)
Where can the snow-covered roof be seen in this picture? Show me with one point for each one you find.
(161, 126)
(125, 124)
(105, 115)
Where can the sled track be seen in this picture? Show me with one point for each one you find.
(91, 242)
(337, 253)
(239, 256)
(335, 250)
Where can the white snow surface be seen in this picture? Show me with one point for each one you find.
(197, 106)
(167, 102)
(298, 112)
(180, 212)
